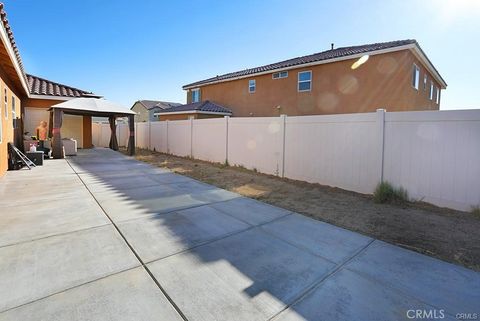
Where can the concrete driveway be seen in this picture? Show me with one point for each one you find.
(101, 236)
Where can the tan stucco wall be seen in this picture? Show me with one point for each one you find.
(7, 122)
(187, 116)
(384, 81)
(142, 112)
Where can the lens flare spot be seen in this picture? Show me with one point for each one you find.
(363, 59)
(327, 102)
(251, 144)
(387, 65)
(348, 84)
(274, 127)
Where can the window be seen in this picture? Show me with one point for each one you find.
(305, 81)
(415, 76)
(279, 75)
(431, 90)
(14, 114)
(195, 95)
(425, 83)
(252, 86)
(6, 102)
(437, 100)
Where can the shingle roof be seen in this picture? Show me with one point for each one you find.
(41, 86)
(8, 29)
(324, 55)
(149, 104)
(204, 106)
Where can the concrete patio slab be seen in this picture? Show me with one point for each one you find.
(347, 296)
(441, 284)
(328, 241)
(127, 296)
(251, 211)
(31, 221)
(33, 270)
(247, 276)
(216, 255)
(158, 236)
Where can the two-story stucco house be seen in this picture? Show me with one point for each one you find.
(395, 75)
(146, 109)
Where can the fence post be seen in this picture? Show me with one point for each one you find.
(283, 124)
(191, 137)
(226, 138)
(149, 135)
(166, 123)
(381, 141)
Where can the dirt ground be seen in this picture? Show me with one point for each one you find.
(446, 234)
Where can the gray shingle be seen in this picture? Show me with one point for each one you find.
(324, 55)
(205, 106)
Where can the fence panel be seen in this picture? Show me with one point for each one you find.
(179, 137)
(158, 134)
(339, 150)
(142, 135)
(209, 139)
(435, 155)
(256, 143)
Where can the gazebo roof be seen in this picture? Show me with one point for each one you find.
(93, 106)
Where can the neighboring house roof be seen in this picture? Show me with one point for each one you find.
(44, 87)
(204, 107)
(150, 104)
(326, 57)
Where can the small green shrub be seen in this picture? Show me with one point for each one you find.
(476, 211)
(226, 164)
(386, 193)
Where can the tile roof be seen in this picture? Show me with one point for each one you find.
(44, 87)
(8, 29)
(324, 55)
(149, 104)
(204, 106)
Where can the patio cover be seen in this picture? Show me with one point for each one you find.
(85, 106)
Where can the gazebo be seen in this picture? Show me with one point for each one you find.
(97, 107)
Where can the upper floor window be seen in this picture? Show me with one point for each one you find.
(438, 95)
(6, 102)
(431, 91)
(279, 75)
(252, 85)
(425, 82)
(415, 76)
(195, 95)
(305, 81)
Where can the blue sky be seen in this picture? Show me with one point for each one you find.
(129, 50)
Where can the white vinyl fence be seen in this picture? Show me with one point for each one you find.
(434, 155)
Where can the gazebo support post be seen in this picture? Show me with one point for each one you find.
(131, 137)
(57, 146)
(113, 135)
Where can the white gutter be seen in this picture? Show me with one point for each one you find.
(32, 96)
(414, 47)
(192, 112)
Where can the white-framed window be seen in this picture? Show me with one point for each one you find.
(437, 98)
(252, 86)
(415, 76)
(6, 102)
(430, 96)
(195, 95)
(280, 75)
(425, 82)
(304, 81)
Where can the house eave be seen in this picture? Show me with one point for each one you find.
(413, 47)
(193, 112)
